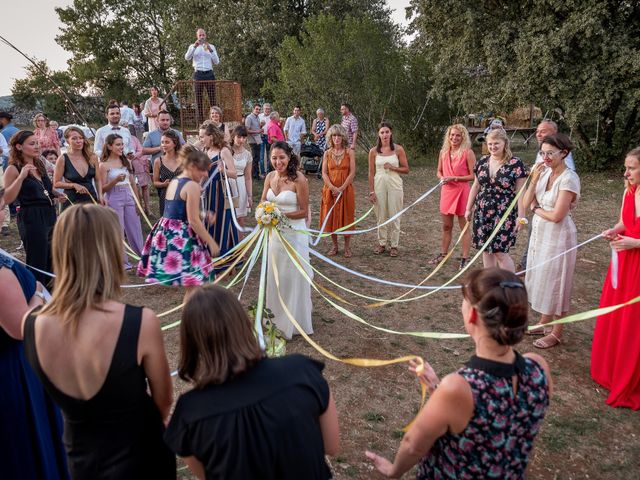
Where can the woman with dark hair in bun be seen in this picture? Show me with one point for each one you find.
(288, 189)
(480, 421)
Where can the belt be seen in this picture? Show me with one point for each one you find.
(239, 174)
(204, 71)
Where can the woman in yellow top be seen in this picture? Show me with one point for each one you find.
(386, 162)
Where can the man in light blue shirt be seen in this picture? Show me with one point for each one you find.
(203, 56)
(293, 128)
(8, 128)
(151, 145)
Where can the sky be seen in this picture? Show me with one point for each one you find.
(37, 36)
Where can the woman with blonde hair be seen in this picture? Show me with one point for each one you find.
(95, 356)
(47, 138)
(455, 169)
(338, 172)
(498, 178)
(75, 170)
(215, 117)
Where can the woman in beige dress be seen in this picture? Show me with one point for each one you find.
(552, 195)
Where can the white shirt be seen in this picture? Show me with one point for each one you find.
(294, 128)
(568, 160)
(4, 146)
(264, 118)
(103, 132)
(201, 58)
(126, 116)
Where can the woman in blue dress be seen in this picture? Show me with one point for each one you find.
(30, 424)
(219, 219)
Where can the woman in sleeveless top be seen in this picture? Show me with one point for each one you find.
(289, 190)
(216, 201)
(243, 162)
(117, 182)
(152, 109)
(178, 250)
(338, 172)
(26, 180)
(165, 167)
(387, 161)
(615, 355)
(319, 129)
(76, 170)
(455, 169)
(94, 355)
(481, 421)
(140, 164)
(30, 424)
(215, 117)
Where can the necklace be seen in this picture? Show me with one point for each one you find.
(44, 189)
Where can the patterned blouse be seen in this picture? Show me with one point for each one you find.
(499, 437)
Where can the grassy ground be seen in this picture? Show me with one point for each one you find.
(581, 436)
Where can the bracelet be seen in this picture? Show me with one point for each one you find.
(523, 221)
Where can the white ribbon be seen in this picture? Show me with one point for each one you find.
(614, 268)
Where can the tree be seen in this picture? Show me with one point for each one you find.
(120, 46)
(38, 92)
(581, 61)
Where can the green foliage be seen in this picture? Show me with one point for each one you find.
(578, 60)
(37, 92)
(359, 60)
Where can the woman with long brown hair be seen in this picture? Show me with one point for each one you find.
(165, 167)
(26, 180)
(95, 356)
(247, 416)
(116, 174)
(76, 170)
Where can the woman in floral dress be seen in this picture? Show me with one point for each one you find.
(178, 250)
(498, 178)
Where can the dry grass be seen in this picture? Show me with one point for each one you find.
(581, 437)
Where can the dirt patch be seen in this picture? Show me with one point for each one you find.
(581, 436)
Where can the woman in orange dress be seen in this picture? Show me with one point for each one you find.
(338, 171)
(47, 138)
(455, 169)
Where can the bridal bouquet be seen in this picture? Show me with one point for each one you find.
(269, 215)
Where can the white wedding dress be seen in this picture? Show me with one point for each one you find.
(294, 289)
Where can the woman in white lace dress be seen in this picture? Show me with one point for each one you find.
(289, 190)
(243, 161)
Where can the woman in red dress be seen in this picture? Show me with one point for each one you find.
(615, 355)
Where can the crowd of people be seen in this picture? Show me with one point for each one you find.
(80, 360)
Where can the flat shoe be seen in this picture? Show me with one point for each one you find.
(393, 252)
(539, 331)
(348, 254)
(437, 259)
(378, 250)
(547, 342)
(332, 252)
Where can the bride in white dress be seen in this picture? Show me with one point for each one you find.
(288, 188)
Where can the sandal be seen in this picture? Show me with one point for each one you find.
(379, 249)
(393, 252)
(348, 253)
(463, 263)
(547, 342)
(437, 259)
(539, 331)
(332, 252)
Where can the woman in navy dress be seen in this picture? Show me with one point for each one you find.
(29, 421)
(219, 219)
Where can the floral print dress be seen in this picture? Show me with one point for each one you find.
(173, 254)
(493, 200)
(499, 437)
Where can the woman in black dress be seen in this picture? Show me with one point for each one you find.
(26, 181)
(95, 355)
(76, 170)
(165, 167)
(247, 417)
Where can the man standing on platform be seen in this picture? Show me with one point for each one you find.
(350, 124)
(294, 127)
(151, 145)
(113, 116)
(252, 124)
(203, 56)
